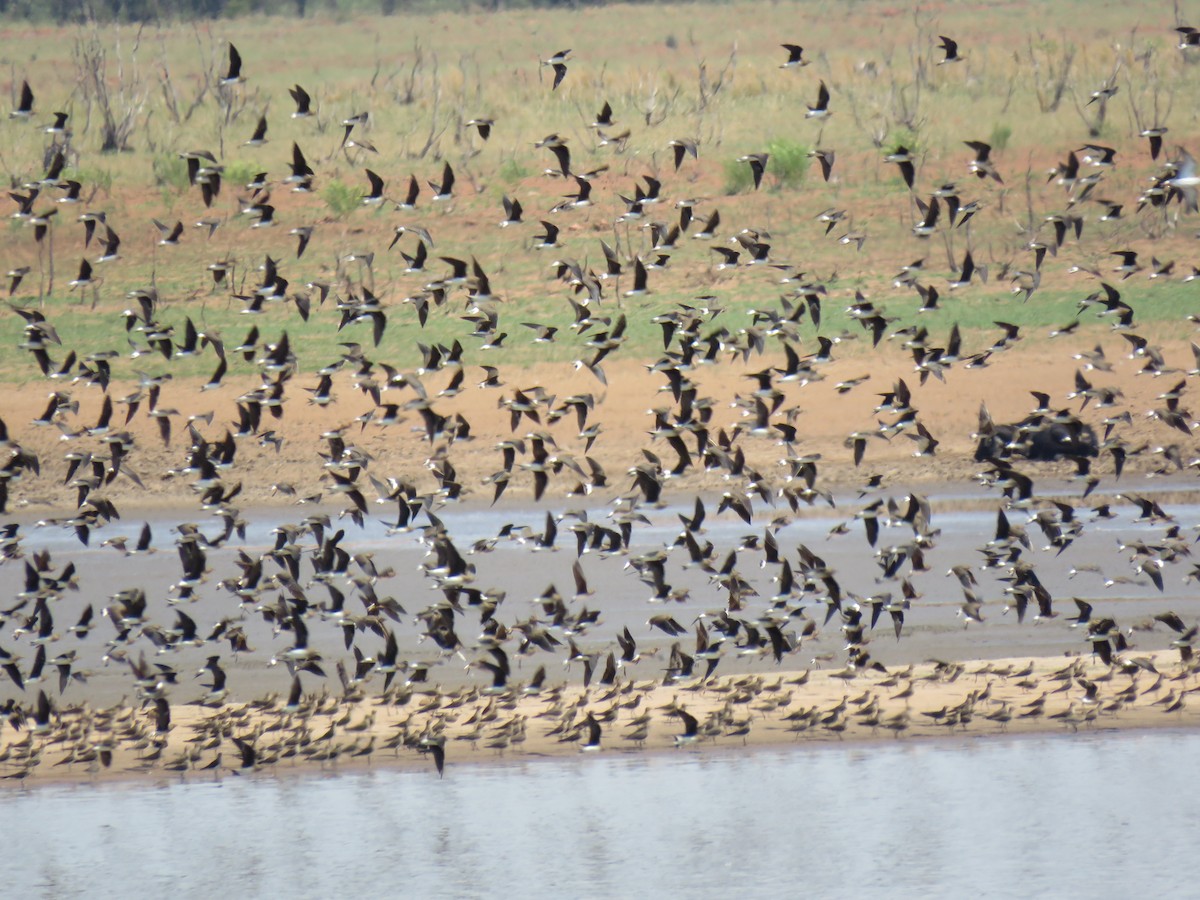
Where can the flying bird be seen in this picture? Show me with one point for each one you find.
(25, 104)
(233, 73)
(303, 102)
(558, 62)
(795, 57)
(444, 190)
(949, 49)
(821, 109)
(483, 126)
(981, 166)
(758, 165)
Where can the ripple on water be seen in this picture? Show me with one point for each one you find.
(1062, 815)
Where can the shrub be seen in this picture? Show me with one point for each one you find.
(170, 172)
(788, 163)
(786, 167)
(341, 198)
(1000, 136)
(905, 137)
(737, 177)
(238, 174)
(512, 171)
(100, 179)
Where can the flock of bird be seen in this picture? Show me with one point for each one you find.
(313, 578)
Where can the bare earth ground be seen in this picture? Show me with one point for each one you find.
(949, 409)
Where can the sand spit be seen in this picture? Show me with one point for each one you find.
(415, 725)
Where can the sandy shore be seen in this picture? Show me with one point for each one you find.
(406, 726)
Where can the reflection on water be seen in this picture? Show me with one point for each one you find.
(1068, 816)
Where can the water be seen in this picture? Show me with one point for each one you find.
(1068, 816)
(933, 628)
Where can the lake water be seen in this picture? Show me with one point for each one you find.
(933, 629)
(1066, 816)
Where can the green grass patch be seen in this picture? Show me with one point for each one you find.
(317, 342)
